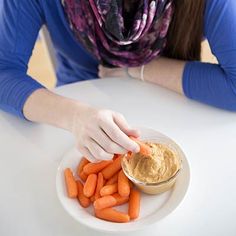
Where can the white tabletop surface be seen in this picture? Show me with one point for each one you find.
(30, 154)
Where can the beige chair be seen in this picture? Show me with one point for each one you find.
(47, 43)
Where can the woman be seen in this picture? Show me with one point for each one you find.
(157, 41)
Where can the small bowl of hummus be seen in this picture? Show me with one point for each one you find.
(157, 172)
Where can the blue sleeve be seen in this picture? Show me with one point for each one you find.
(215, 84)
(20, 22)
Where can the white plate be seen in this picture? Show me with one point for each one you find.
(153, 207)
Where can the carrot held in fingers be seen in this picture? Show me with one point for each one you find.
(112, 180)
(83, 176)
(123, 184)
(83, 200)
(90, 185)
(119, 199)
(94, 168)
(134, 204)
(144, 148)
(112, 169)
(129, 154)
(100, 183)
(113, 215)
(81, 165)
(104, 202)
(108, 189)
(71, 185)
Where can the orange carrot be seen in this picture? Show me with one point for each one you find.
(123, 184)
(134, 204)
(112, 169)
(94, 168)
(92, 199)
(144, 148)
(84, 201)
(104, 202)
(108, 189)
(90, 185)
(119, 199)
(129, 154)
(71, 185)
(83, 176)
(81, 165)
(113, 215)
(131, 184)
(100, 184)
(116, 156)
(112, 180)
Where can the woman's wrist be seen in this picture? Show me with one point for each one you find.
(135, 72)
(158, 71)
(46, 107)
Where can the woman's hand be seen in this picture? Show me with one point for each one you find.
(104, 72)
(100, 133)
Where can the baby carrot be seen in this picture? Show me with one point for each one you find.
(108, 189)
(83, 176)
(119, 199)
(94, 168)
(104, 202)
(71, 185)
(131, 184)
(112, 169)
(92, 199)
(84, 201)
(100, 183)
(81, 165)
(90, 185)
(113, 215)
(144, 148)
(112, 180)
(123, 184)
(134, 204)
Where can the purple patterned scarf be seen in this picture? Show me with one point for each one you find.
(120, 38)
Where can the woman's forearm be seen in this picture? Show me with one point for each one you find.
(165, 72)
(44, 106)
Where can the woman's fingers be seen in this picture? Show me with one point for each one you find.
(124, 126)
(106, 143)
(97, 151)
(111, 72)
(117, 135)
(85, 152)
(102, 133)
(101, 72)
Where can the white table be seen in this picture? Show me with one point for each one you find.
(30, 153)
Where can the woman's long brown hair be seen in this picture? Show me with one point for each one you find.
(186, 30)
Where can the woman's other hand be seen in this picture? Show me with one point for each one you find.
(104, 72)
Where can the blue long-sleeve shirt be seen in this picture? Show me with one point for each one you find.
(21, 20)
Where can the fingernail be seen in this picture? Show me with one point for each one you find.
(136, 148)
(136, 133)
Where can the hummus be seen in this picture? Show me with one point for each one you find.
(160, 166)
